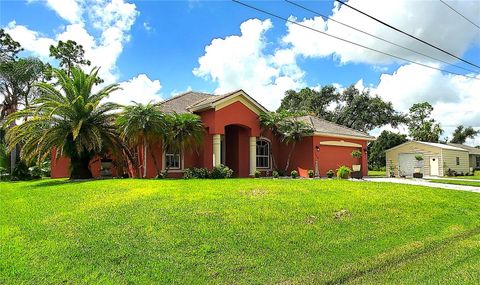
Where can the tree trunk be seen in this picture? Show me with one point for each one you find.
(289, 156)
(80, 168)
(144, 157)
(13, 160)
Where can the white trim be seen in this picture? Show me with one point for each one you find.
(182, 163)
(340, 143)
(239, 92)
(269, 143)
(344, 136)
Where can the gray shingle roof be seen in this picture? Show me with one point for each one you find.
(327, 127)
(182, 102)
(470, 149)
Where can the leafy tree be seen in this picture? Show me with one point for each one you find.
(376, 149)
(354, 109)
(292, 131)
(270, 122)
(461, 134)
(183, 132)
(8, 47)
(70, 54)
(421, 126)
(144, 125)
(68, 117)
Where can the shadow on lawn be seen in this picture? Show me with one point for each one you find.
(432, 247)
(50, 183)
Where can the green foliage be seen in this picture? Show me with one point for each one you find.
(310, 173)
(196, 173)
(461, 134)
(221, 171)
(69, 54)
(356, 153)
(68, 117)
(39, 171)
(392, 168)
(343, 172)
(257, 174)
(419, 157)
(21, 172)
(4, 156)
(377, 148)
(294, 174)
(420, 124)
(183, 132)
(330, 173)
(354, 109)
(275, 174)
(8, 47)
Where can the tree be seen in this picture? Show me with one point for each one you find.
(351, 108)
(461, 134)
(421, 126)
(141, 124)
(376, 149)
(8, 47)
(68, 117)
(292, 131)
(70, 54)
(270, 122)
(183, 132)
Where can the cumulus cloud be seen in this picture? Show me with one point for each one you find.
(431, 21)
(139, 89)
(32, 41)
(240, 61)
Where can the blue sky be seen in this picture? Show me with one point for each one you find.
(155, 49)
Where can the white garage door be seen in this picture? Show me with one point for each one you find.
(406, 163)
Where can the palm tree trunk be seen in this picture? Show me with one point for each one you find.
(80, 168)
(289, 156)
(144, 157)
(154, 160)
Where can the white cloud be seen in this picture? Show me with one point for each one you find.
(438, 26)
(140, 89)
(147, 26)
(30, 40)
(241, 62)
(69, 10)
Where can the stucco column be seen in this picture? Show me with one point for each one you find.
(253, 155)
(216, 150)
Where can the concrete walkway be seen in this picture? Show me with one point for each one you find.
(451, 178)
(422, 182)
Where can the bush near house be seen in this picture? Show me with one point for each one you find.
(294, 174)
(343, 172)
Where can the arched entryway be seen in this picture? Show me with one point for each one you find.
(235, 149)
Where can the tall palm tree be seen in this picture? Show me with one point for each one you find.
(142, 124)
(68, 117)
(271, 121)
(184, 132)
(292, 131)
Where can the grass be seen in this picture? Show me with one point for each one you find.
(456, 182)
(476, 177)
(242, 231)
(376, 173)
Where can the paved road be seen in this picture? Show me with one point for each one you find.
(422, 182)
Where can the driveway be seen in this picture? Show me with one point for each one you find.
(422, 182)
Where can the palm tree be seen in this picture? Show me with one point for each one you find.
(68, 117)
(141, 124)
(270, 122)
(184, 132)
(292, 131)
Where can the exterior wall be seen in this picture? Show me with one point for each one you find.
(473, 161)
(412, 147)
(449, 160)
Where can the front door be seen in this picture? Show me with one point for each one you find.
(434, 166)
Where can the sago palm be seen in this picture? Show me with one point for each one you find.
(142, 124)
(68, 117)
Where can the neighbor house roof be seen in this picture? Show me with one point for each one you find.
(438, 145)
(470, 149)
(181, 103)
(324, 127)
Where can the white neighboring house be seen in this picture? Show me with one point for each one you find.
(473, 154)
(437, 159)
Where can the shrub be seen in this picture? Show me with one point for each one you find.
(196, 173)
(39, 171)
(418, 157)
(343, 172)
(310, 173)
(21, 172)
(257, 174)
(330, 173)
(275, 174)
(356, 154)
(221, 171)
(3, 173)
(294, 174)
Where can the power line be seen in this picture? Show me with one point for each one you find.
(407, 34)
(377, 37)
(350, 42)
(461, 15)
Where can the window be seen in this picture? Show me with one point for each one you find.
(172, 160)
(458, 160)
(478, 160)
(263, 153)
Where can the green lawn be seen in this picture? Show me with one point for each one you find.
(457, 182)
(376, 173)
(476, 177)
(239, 231)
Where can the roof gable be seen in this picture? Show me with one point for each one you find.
(429, 144)
(220, 101)
(327, 128)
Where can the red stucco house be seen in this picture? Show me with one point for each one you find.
(233, 137)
